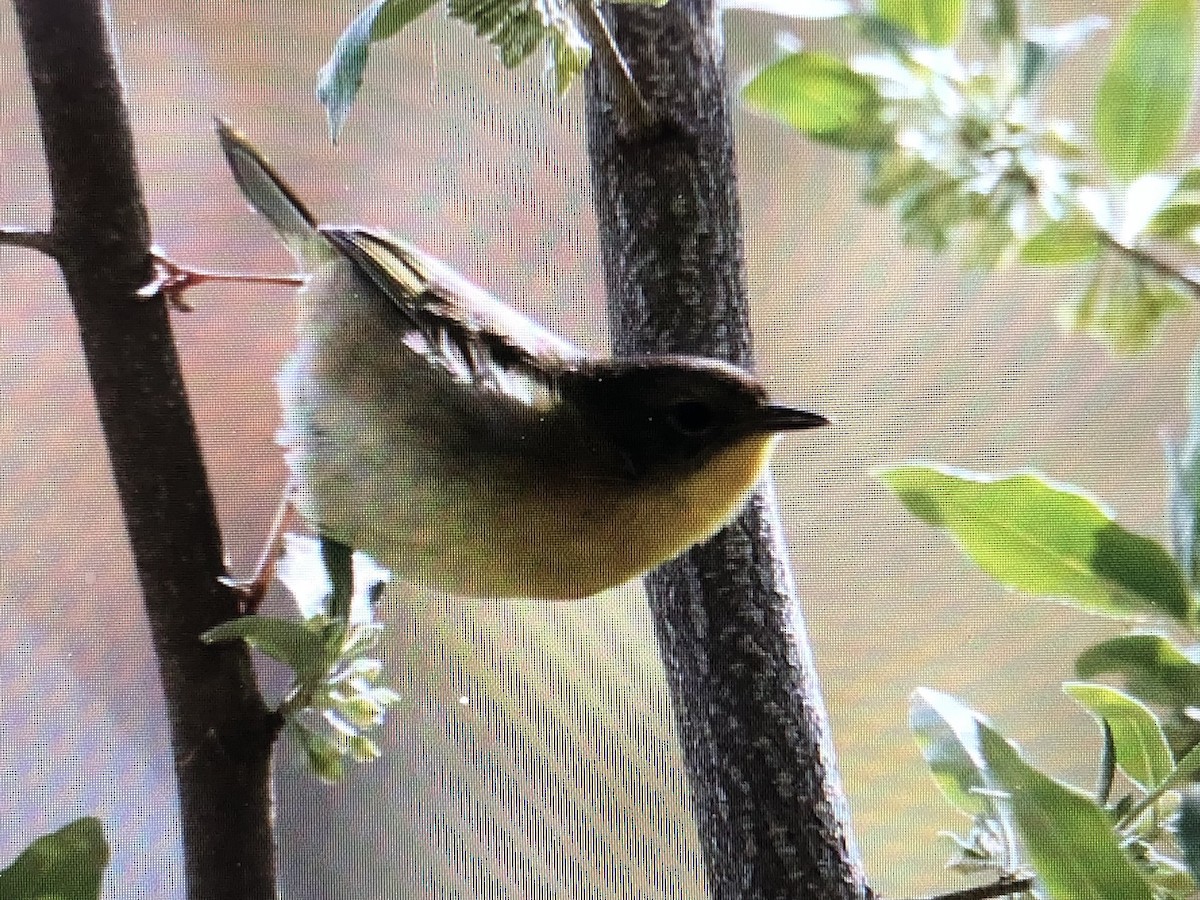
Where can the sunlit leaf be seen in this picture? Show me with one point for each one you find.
(1126, 308)
(516, 27)
(947, 732)
(1175, 220)
(395, 14)
(1045, 539)
(936, 21)
(326, 759)
(1154, 669)
(819, 94)
(1069, 242)
(340, 78)
(298, 645)
(1141, 747)
(1069, 840)
(568, 54)
(1145, 95)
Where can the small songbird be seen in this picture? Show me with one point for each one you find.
(473, 452)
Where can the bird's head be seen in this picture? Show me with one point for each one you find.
(674, 415)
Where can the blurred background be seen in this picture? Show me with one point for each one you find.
(534, 753)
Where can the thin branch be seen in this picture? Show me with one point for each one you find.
(1108, 766)
(1005, 887)
(633, 112)
(170, 280)
(1149, 261)
(30, 239)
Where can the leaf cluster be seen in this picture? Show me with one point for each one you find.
(1136, 836)
(946, 114)
(515, 28)
(338, 696)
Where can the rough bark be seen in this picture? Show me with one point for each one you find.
(765, 788)
(220, 730)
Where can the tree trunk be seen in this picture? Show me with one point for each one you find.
(765, 788)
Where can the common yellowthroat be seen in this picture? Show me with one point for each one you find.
(473, 452)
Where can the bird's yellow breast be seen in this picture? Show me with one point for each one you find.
(601, 536)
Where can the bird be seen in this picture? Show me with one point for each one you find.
(470, 450)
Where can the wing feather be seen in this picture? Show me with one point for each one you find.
(455, 324)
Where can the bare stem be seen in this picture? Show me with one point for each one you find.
(1005, 887)
(633, 112)
(30, 239)
(1149, 261)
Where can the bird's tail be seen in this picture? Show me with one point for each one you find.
(271, 196)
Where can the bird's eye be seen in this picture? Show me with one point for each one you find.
(691, 416)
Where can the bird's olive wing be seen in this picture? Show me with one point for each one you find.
(455, 324)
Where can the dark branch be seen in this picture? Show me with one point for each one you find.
(632, 113)
(221, 733)
(1148, 260)
(30, 239)
(1005, 887)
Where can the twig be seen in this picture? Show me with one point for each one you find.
(1149, 261)
(30, 239)
(633, 112)
(170, 280)
(1005, 887)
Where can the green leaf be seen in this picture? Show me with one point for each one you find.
(1190, 179)
(567, 55)
(1126, 307)
(820, 95)
(340, 78)
(298, 645)
(936, 21)
(1045, 539)
(1145, 95)
(947, 731)
(325, 758)
(1175, 220)
(395, 14)
(67, 864)
(896, 175)
(1141, 746)
(1154, 669)
(363, 749)
(1068, 242)
(1069, 840)
(1184, 770)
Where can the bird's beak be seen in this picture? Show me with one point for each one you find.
(787, 418)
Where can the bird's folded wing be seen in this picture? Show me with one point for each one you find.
(454, 323)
